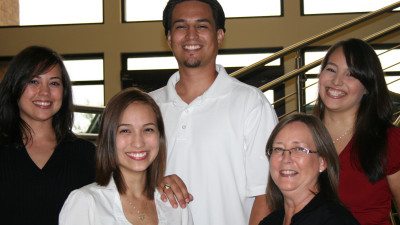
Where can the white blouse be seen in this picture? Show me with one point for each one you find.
(96, 205)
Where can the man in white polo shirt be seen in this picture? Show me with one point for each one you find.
(216, 126)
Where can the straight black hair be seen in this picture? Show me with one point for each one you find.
(375, 112)
(217, 11)
(29, 63)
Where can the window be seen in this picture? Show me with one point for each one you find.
(390, 61)
(140, 70)
(310, 7)
(87, 76)
(150, 10)
(49, 12)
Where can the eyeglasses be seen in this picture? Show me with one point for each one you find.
(296, 152)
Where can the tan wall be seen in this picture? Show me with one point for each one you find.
(9, 12)
(113, 37)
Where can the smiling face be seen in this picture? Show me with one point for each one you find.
(193, 37)
(295, 176)
(137, 139)
(338, 90)
(42, 97)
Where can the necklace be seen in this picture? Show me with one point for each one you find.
(141, 215)
(341, 136)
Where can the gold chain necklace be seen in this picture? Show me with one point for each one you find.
(341, 136)
(141, 215)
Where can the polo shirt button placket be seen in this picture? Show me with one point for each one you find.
(186, 112)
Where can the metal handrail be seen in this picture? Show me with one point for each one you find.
(309, 66)
(315, 38)
(283, 52)
(397, 121)
(88, 109)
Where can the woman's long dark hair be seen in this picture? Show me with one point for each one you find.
(375, 112)
(31, 62)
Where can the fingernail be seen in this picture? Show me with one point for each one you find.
(187, 200)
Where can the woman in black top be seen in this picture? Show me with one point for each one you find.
(302, 186)
(41, 160)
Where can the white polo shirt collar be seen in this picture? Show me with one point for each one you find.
(218, 88)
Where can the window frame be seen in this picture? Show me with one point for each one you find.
(302, 13)
(56, 25)
(123, 14)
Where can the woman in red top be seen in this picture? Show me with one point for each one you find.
(356, 108)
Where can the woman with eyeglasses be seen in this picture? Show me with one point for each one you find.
(303, 175)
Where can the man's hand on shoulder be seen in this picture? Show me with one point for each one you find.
(173, 189)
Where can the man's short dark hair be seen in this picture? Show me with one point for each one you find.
(217, 11)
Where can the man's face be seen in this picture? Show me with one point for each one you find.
(193, 37)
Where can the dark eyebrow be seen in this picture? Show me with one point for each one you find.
(198, 20)
(332, 64)
(51, 78)
(127, 124)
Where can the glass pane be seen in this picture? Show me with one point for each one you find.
(89, 95)
(169, 62)
(393, 83)
(343, 6)
(310, 57)
(270, 95)
(45, 12)
(241, 60)
(251, 8)
(147, 63)
(149, 10)
(85, 69)
(311, 90)
(390, 60)
(82, 122)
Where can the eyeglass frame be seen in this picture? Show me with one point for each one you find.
(302, 149)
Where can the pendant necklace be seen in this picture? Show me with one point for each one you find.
(341, 136)
(141, 215)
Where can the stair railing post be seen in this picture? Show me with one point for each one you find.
(300, 81)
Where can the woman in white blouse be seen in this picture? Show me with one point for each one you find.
(130, 161)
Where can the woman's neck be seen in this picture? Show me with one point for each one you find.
(41, 130)
(341, 128)
(339, 120)
(135, 184)
(293, 204)
(137, 207)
